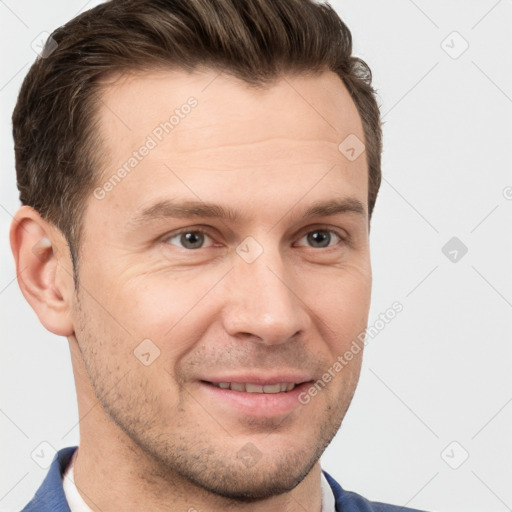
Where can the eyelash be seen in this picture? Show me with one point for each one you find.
(343, 237)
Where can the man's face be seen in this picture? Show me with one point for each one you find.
(271, 293)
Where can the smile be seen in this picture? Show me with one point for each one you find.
(248, 387)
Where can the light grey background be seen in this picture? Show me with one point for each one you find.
(440, 372)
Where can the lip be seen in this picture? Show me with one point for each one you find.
(261, 405)
(260, 379)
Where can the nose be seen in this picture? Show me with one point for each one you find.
(264, 302)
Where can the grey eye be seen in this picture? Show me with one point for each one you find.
(321, 238)
(189, 239)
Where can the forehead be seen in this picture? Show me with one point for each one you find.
(206, 134)
(301, 106)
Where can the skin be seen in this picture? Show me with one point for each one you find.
(150, 437)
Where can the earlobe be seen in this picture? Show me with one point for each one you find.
(39, 252)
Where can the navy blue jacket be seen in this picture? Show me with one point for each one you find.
(50, 496)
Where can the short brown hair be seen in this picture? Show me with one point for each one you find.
(57, 149)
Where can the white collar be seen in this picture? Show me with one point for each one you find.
(75, 501)
(328, 500)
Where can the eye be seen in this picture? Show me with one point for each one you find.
(190, 239)
(320, 238)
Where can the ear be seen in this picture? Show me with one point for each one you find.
(43, 269)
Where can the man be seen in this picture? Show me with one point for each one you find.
(197, 180)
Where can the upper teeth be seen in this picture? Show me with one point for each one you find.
(255, 388)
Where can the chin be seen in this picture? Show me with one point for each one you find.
(255, 483)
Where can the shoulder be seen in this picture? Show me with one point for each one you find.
(50, 495)
(347, 501)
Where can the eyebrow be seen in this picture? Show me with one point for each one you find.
(199, 209)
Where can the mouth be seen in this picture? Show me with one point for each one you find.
(262, 399)
(249, 387)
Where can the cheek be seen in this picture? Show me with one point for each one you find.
(161, 302)
(340, 303)
(173, 311)
(341, 316)
(113, 349)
